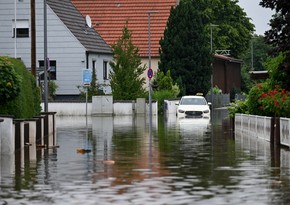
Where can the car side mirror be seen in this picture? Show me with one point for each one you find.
(177, 103)
(209, 103)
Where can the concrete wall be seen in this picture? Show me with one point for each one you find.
(102, 106)
(15, 134)
(285, 131)
(7, 135)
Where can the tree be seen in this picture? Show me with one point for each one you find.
(234, 29)
(278, 35)
(258, 57)
(184, 49)
(125, 78)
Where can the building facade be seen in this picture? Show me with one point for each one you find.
(71, 44)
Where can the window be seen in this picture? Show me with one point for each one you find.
(22, 28)
(51, 70)
(94, 65)
(105, 70)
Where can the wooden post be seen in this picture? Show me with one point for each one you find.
(33, 38)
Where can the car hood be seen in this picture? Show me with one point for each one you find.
(193, 107)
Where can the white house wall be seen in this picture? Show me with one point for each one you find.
(6, 29)
(63, 47)
(99, 60)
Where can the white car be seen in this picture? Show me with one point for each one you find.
(193, 106)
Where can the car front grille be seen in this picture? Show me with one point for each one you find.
(193, 113)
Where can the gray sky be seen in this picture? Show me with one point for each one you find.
(260, 16)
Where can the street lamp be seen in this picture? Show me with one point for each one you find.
(45, 57)
(252, 54)
(211, 89)
(15, 28)
(149, 64)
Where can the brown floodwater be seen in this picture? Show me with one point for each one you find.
(118, 160)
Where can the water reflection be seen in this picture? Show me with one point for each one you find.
(185, 161)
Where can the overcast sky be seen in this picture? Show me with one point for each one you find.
(260, 16)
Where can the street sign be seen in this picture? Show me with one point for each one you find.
(87, 76)
(150, 73)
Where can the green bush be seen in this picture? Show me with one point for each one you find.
(9, 81)
(52, 87)
(239, 106)
(160, 96)
(26, 103)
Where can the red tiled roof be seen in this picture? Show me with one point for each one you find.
(110, 16)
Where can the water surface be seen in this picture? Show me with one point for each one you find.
(184, 161)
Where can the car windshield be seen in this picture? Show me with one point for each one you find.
(192, 101)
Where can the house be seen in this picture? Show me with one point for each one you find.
(227, 73)
(109, 18)
(71, 45)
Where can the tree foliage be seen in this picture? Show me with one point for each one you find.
(233, 29)
(254, 58)
(184, 49)
(26, 103)
(9, 81)
(125, 78)
(164, 88)
(278, 35)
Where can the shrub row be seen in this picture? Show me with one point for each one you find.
(23, 99)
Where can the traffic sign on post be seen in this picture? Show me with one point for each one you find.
(87, 76)
(150, 73)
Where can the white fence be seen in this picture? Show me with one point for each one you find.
(256, 126)
(285, 131)
(261, 127)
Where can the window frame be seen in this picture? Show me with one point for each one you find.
(22, 28)
(51, 69)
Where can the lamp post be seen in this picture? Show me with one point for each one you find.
(150, 74)
(149, 64)
(252, 54)
(15, 29)
(45, 56)
(211, 89)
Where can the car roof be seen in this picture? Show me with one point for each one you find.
(192, 96)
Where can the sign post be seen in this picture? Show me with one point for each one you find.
(87, 79)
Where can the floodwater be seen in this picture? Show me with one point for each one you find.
(118, 160)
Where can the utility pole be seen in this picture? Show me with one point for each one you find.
(33, 38)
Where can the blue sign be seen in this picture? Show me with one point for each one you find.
(150, 73)
(87, 76)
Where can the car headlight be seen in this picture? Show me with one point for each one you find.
(181, 111)
(206, 111)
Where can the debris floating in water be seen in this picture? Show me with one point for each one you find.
(108, 162)
(83, 151)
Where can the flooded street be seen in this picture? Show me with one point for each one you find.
(114, 160)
